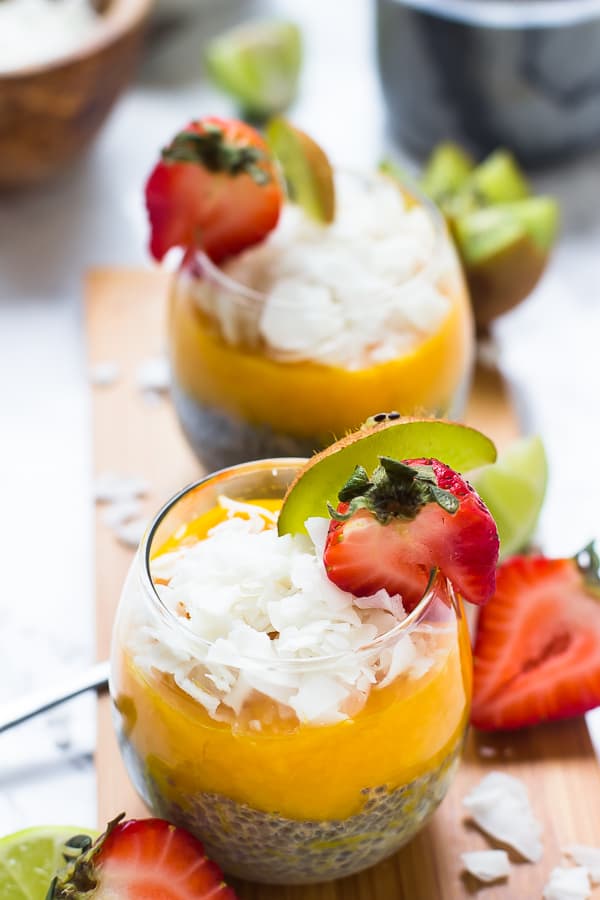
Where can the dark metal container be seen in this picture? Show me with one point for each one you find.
(518, 73)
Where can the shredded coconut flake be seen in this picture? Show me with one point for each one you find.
(110, 487)
(153, 375)
(487, 865)
(586, 856)
(131, 533)
(104, 374)
(121, 511)
(567, 884)
(499, 805)
(261, 608)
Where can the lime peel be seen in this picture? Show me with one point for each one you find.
(513, 489)
(29, 859)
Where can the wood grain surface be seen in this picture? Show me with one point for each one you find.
(125, 319)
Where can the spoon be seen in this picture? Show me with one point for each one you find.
(95, 677)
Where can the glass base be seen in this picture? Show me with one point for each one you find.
(219, 439)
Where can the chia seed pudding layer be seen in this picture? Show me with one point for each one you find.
(219, 439)
(266, 847)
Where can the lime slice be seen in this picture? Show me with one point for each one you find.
(307, 170)
(29, 860)
(513, 489)
(459, 446)
(258, 64)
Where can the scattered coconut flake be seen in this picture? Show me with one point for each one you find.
(587, 856)
(121, 511)
(487, 865)
(567, 884)
(153, 375)
(131, 533)
(110, 487)
(104, 374)
(499, 805)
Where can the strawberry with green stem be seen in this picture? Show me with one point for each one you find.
(392, 529)
(537, 649)
(139, 859)
(216, 189)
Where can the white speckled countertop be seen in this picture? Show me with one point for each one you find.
(93, 215)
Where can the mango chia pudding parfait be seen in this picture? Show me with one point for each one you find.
(289, 322)
(292, 681)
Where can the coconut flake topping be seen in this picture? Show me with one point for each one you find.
(586, 856)
(487, 865)
(499, 804)
(360, 291)
(257, 608)
(567, 884)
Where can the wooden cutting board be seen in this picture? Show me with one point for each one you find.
(125, 323)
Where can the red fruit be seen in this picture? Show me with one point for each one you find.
(400, 530)
(143, 859)
(216, 189)
(537, 651)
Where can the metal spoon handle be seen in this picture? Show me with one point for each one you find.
(96, 677)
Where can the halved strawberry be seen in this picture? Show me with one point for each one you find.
(537, 650)
(142, 859)
(391, 530)
(216, 188)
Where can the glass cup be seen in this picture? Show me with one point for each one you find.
(272, 798)
(240, 397)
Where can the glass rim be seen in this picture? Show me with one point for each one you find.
(381, 642)
(197, 266)
(507, 14)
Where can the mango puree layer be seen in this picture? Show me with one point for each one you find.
(305, 399)
(300, 771)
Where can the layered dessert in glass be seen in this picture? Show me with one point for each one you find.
(300, 731)
(298, 339)
(287, 342)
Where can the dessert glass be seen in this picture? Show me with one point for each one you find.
(274, 799)
(238, 397)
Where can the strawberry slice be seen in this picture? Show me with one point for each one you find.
(216, 188)
(141, 859)
(537, 650)
(391, 530)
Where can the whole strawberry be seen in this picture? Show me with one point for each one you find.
(537, 649)
(216, 189)
(392, 529)
(141, 859)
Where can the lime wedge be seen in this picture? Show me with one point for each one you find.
(513, 489)
(306, 168)
(258, 64)
(29, 860)
(318, 483)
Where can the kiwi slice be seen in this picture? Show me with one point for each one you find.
(484, 233)
(306, 168)
(498, 179)
(447, 170)
(459, 446)
(258, 64)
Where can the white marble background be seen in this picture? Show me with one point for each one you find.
(93, 215)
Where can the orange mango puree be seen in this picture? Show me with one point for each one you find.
(409, 728)
(307, 399)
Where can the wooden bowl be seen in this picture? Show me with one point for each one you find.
(50, 113)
